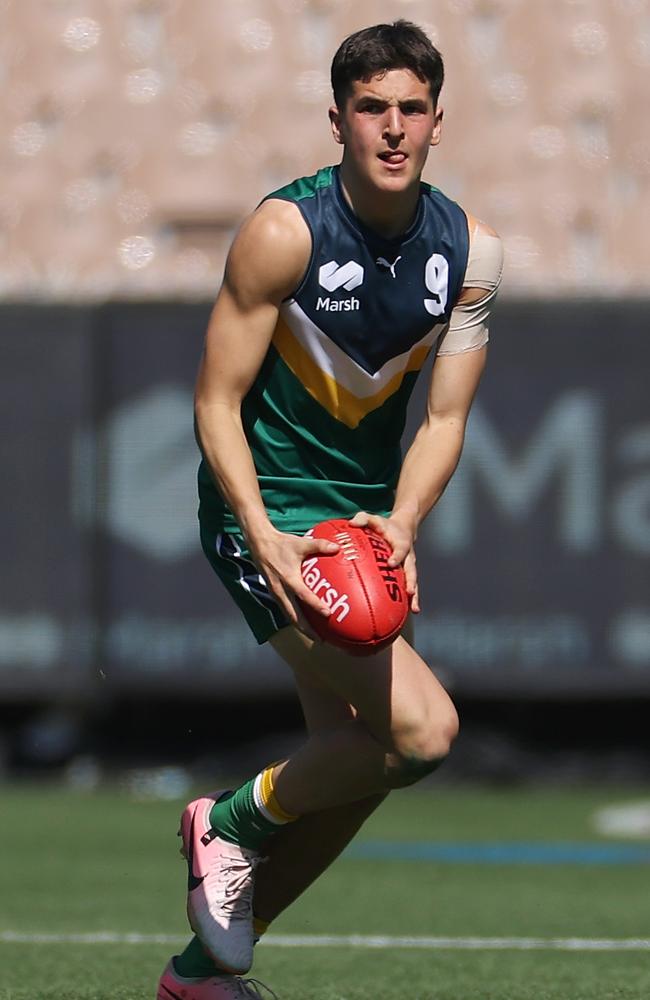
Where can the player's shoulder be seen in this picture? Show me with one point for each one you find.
(469, 229)
(271, 249)
(477, 227)
(484, 261)
(485, 246)
(274, 224)
(281, 214)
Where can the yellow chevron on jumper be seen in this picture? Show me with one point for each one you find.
(333, 359)
(339, 401)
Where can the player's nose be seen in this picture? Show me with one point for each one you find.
(394, 128)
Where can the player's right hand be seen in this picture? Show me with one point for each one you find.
(279, 557)
(399, 532)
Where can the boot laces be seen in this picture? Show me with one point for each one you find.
(237, 876)
(253, 989)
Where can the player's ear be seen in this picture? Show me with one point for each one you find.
(437, 126)
(335, 122)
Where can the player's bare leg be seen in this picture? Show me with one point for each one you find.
(300, 852)
(303, 850)
(404, 727)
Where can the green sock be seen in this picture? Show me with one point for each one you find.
(249, 815)
(195, 963)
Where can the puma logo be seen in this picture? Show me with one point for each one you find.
(391, 267)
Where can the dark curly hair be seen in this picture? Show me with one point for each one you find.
(375, 50)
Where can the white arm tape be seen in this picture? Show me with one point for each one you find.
(468, 326)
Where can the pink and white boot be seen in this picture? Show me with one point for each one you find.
(219, 888)
(175, 987)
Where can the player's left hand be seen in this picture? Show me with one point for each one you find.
(401, 539)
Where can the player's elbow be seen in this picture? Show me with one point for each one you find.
(422, 750)
(212, 407)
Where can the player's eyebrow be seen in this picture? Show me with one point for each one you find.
(411, 103)
(414, 103)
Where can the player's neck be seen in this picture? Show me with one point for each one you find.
(387, 214)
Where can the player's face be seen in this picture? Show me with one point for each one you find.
(387, 126)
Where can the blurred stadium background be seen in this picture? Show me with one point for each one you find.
(135, 134)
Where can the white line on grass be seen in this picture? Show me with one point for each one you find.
(462, 943)
(353, 941)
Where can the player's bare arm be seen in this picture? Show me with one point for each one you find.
(434, 454)
(265, 264)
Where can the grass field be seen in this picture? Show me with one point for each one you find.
(75, 864)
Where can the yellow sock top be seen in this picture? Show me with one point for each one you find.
(268, 799)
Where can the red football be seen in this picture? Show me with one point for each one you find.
(367, 597)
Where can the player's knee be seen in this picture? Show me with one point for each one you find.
(421, 751)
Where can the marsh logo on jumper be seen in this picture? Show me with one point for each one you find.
(332, 277)
(320, 585)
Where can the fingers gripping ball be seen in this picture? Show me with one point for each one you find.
(367, 597)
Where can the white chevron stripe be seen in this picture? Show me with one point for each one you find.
(335, 362)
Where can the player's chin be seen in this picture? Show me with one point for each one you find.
(394, 177)
(394, 183)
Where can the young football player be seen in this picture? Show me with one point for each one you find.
(336, 289)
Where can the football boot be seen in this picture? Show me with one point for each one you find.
(219, 888)
(175, 987)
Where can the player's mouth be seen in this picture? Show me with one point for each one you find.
(393, 158)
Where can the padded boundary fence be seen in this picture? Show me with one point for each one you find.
(533, 569)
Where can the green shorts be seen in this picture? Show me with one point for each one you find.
(231, 561)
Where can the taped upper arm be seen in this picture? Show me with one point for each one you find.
(468, 326)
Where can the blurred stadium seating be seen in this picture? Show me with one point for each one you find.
(136, 133)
